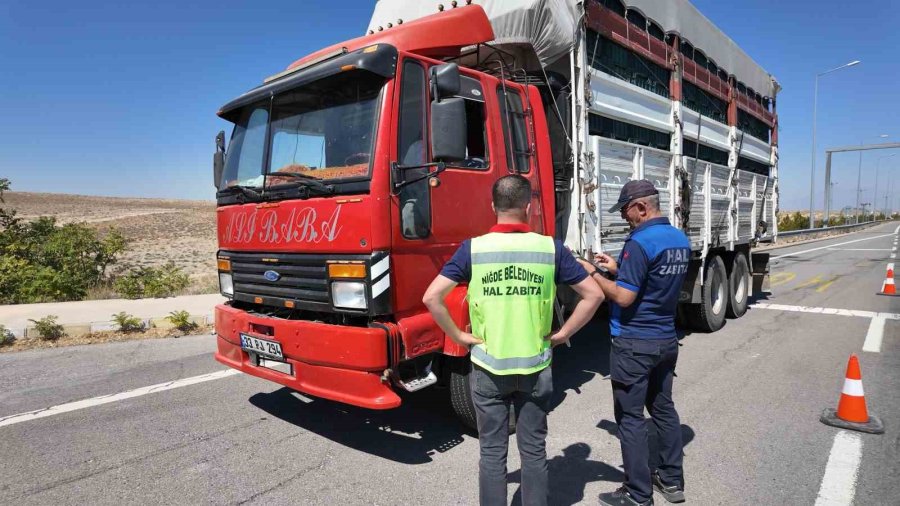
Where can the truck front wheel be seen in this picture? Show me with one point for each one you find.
(461, 395)
(738, 286)
(709, 314)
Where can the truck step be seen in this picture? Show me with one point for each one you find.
(419, 383)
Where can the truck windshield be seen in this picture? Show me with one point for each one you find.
(323, 130)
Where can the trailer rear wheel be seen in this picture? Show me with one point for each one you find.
(738, 286)
(461, 395)
(709, 314)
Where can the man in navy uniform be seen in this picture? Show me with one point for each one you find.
(643, 297)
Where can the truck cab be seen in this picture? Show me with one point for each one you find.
(348, 181)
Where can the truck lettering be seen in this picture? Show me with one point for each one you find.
(300, 226)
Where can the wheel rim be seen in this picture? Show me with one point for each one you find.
(718, 293)
(741, 290)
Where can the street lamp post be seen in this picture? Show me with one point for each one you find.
(875, 195)
(859, 179)
(812, 171)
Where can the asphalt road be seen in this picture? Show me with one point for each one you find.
(749, 396)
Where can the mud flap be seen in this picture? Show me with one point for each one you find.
(759, 270)
(690, 289)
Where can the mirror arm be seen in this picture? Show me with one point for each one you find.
(397, 169)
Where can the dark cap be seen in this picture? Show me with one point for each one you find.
(634, 190)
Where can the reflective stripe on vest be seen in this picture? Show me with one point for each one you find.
(505, 364)
(511, 294)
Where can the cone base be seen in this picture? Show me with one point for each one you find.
(888, 294)
(873, 426)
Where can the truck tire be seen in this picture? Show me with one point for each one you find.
(738, 286)
(709, 314)
(461, 395)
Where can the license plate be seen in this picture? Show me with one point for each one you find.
(274, 365)
(262, 346)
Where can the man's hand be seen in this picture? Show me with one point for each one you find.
(558, 338)
(467, 340)
(607, 262)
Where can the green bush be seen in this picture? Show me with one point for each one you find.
(48, 329)
(182, 321)
(41, 261)
(128, 323)
(6, 336)
(794, 221)
(164, 281)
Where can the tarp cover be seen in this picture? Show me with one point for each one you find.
(682, 17)
(549, 26)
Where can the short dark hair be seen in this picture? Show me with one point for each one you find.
(511, 192)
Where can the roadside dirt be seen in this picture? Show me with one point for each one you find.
(158, 230)
(109, 336)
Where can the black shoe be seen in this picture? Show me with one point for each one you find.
(621, 497)
(672, 493)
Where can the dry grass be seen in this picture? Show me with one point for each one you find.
(158, 230)
(109, 336)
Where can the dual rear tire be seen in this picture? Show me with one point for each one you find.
(725, 292)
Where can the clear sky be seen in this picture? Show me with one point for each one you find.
(119, 98)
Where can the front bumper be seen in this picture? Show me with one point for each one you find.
(335, 362)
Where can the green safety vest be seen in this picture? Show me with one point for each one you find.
(511, 297)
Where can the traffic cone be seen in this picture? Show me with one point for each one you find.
(888, 287)
(851, 412)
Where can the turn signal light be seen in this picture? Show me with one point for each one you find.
(224, 264)
(346, 270)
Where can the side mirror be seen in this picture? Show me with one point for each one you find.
(448, 130)
(444, 80)
(219, 158)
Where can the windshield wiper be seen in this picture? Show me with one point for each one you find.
(307, 180)
(243, 190)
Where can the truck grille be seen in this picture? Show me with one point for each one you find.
(303, 279)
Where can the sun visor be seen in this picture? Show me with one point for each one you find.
(380, 59)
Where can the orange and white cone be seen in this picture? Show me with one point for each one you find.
(851, 412)
(888, 287)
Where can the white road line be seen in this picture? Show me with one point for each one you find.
(796, 253)
(827, 311)
(859, 249)
(839, 483)
(106, 399)
(893, 255)
(875, 335)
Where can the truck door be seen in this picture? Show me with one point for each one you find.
(428, 223)
(515, 117)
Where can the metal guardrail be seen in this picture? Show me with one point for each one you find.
(816, 231)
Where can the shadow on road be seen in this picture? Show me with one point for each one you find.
(569, 475)
(411, 434)
(587, 359)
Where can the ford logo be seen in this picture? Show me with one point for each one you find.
(271, 276)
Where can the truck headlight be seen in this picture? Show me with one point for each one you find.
(349, 294)
(226, 284)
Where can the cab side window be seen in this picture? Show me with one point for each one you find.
(412, 149)
(515, 136)
(477, 154)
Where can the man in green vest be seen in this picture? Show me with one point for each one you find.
(512, 275)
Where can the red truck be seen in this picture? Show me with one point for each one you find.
(352, 176)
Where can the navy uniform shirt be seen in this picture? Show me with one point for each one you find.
(653, 263)
(459, 267)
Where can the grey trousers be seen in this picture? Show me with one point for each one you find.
(530, 396)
